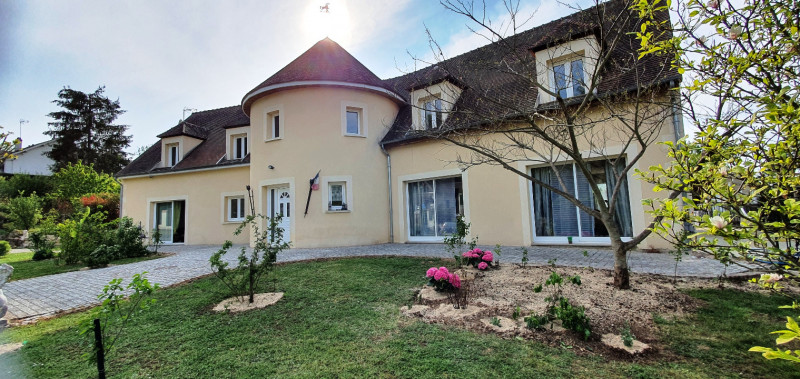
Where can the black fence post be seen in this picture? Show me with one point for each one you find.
(98, 346)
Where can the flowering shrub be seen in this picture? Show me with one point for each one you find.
(478, 258)
(442, 279)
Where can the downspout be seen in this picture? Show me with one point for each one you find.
(391, 204)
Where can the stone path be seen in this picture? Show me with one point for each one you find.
(48, 295)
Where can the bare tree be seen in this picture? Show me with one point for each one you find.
(586, 110)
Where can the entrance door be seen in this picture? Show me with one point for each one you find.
(170, 221)
(281, 205)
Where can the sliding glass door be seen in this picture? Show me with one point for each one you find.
(170, 221)
(433, 206)
(556, 219)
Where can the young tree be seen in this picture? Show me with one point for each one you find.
(606, 110)
(84, 131)
(7, 147)
(740, 175)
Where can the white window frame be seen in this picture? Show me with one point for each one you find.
(171, 162)
(241, 207)
(343, 194)
(347, 193)
(361, 109)
(269, 123)
(437, 112)
(402, 189)
(567, 64)
(237, 153)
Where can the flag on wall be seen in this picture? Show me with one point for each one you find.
(315, 182)
(314, 185)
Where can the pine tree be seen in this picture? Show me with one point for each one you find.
(84, 131)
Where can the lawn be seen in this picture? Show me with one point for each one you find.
(25, 267)
(341, 318)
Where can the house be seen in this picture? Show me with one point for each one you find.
(379, 179)
(32, 160)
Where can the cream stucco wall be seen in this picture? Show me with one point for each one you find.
(202, 191)
(497, 201)
(313, 139)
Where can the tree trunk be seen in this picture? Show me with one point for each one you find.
(621, 274)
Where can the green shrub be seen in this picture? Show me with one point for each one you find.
(76, 180)
(128, 239)
(81, 235)
(24, 212)
(5, 247)
(42, 245)
(102, 256)
(22, 183)
(573, 318)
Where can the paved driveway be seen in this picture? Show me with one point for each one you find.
(48, 295)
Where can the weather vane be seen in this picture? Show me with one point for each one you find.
(325, 8)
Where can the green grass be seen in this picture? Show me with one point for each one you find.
(25, 267)
(341, 319)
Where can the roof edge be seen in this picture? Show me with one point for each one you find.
(254, 95)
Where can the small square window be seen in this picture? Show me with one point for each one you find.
(274, 125)
(353, 121)
(240, 148)
(337, 196)
(236, 209)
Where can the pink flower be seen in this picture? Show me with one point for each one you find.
(713, 4)
(473, 255)
(431, 272)
(466, 254)
(444, 269)
(488, 257)
(455, 281)
(476, 250)
(482, 266)
(439, 275)
(718, 222)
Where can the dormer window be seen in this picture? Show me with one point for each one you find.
(432, 113)
(240, 146)
(568, 78)
(173, 154)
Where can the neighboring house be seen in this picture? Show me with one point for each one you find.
(326, 112)
(31, 160)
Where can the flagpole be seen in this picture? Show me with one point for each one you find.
(311, 183)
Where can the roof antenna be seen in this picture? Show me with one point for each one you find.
(187, 109)
(22, 121)
(325, 8)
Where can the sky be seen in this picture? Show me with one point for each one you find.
(159, 57)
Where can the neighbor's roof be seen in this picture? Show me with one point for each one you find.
(208, 126)
(325, 63)
(483, 72)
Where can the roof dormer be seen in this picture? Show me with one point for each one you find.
(431, 104)
(237, 142)
(566, 69)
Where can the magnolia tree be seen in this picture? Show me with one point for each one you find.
(740, 175)
(589, 119)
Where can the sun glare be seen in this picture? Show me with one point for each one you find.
(328, 18)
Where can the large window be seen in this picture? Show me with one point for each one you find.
(170, 220)
(433, 206)
(555, 216)
(568, 78)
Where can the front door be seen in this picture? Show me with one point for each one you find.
(281, 205)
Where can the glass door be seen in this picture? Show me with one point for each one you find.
(163, 221)
(170, 220)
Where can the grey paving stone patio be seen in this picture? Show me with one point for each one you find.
(49, 295)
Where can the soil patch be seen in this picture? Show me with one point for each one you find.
(498, 292)
(9, 347)
(240, 304)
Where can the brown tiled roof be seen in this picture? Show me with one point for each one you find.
(325, 61)
(484, 74)
(206, 125)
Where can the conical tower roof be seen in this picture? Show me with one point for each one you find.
(324, 64)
